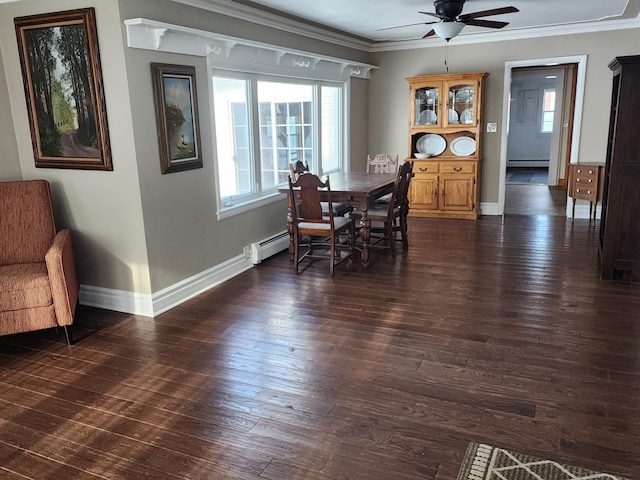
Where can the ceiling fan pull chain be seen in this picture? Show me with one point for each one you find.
(446, 56)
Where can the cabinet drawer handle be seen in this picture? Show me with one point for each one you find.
(591, 172)
(578, 170)
(577, 179)
(589, 192)
(424, 169)
(457, 169)
(577, 190)
(590, 180)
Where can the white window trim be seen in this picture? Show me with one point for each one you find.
(269, 196)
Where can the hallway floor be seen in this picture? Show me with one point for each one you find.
(530, 199)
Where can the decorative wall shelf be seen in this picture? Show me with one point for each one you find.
(227, 51)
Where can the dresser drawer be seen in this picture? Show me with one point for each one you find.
(426, 167)
(458, 167)
(585, 192)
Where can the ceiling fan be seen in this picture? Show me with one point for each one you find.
(452, 20)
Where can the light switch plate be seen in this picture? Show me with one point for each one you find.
(492, 127)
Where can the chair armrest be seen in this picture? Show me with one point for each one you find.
(63, 277)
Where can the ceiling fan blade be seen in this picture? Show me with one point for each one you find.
(488, 13)
(403, 26)
(430, 33)
(441, 17)
(485, 23)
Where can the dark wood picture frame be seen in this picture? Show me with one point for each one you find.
(62, 76)
(176, 106)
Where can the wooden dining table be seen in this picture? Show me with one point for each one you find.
(356, 189)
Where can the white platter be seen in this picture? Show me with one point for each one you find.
(432, 144)
(428, 117)
(463, 146)
(467, 116)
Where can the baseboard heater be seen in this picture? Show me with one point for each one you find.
(268, 247)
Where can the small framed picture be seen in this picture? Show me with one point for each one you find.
(176, 105)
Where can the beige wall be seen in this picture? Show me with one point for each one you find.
(388, 115)
(9, 160)
(183, 234)
(136, 229)
(103, 209)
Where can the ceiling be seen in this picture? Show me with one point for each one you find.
(365, 18)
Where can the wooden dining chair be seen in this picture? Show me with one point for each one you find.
(313, 229)
(388, 220)
(339, 209)
(382, 163)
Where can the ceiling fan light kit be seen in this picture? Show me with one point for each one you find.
(448, 30)
(451, 20)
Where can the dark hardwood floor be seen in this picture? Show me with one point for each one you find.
(488, 331)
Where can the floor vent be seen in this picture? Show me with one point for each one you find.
(269, 246)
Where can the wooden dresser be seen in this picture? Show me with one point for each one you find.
(585, 183)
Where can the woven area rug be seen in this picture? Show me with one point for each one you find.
(484, 462)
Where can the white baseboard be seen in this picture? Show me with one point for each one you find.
(150, 305)
(117, 300)
(582, 210)
(488, 208)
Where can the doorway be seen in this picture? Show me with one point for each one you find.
(540, 134)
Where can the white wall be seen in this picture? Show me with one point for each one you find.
(526, 143)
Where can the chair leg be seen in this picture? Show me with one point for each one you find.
(68, 335)
(391, 238)
(403, 232)
(332, 255)
(296, 253)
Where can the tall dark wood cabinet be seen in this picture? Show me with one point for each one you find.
(619, 246)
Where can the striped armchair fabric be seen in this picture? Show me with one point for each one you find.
(38, 280)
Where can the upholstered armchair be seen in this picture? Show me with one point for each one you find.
(38, 279)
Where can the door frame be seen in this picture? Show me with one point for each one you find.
(581, 62)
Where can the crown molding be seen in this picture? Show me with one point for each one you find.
(268, 19)
(507, 35)
(254, 15)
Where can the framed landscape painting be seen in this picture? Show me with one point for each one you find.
(62, 78)
(176, 105)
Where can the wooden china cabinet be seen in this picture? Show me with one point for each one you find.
(445, 123)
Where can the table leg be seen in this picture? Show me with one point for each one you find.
(573, 211)
(365, 234)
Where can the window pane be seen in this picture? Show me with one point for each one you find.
(547, 122)
(549, 99)
(331, 133)
(233, 139)
(548, 106)
(290, 121)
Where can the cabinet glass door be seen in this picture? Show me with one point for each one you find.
(426, 106)
(461, 104)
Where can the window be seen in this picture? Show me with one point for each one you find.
(548, 107)
(264, 124)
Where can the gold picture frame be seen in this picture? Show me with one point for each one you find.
(62, 77)
(176, 106)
